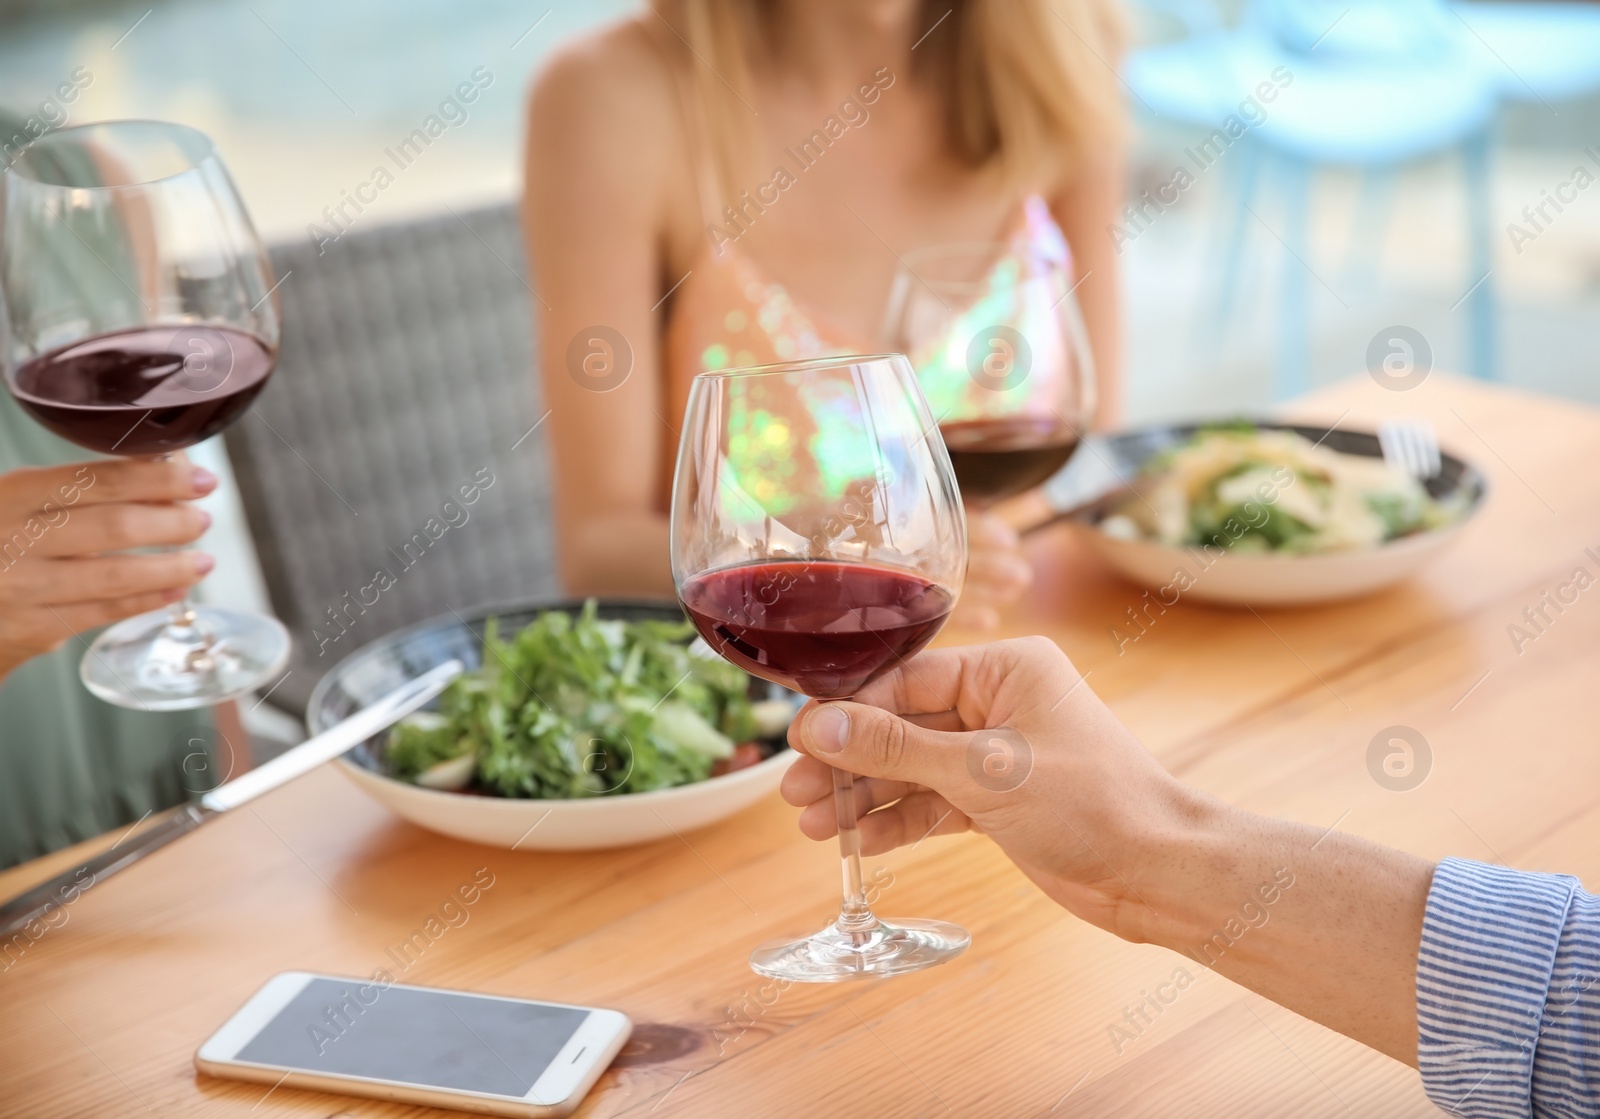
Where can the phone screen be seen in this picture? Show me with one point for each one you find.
(474, 1043)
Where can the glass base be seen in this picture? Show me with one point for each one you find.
(871, 950)
(190, 656)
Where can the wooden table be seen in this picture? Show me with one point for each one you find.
(1274, 712)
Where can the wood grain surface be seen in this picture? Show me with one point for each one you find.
(1273, 710)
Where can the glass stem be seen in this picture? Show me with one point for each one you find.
(181, 613)
(184, 647)
(855, 918)
(180, 627)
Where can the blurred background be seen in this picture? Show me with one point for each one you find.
(1314, 187)
(303, 96)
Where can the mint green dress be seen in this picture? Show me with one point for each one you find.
(72, 766)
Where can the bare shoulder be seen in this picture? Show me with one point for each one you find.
(608, 97)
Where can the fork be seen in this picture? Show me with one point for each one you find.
(1410, 446)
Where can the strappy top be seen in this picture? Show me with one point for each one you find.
(727, 314)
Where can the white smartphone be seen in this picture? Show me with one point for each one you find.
(471, 1052)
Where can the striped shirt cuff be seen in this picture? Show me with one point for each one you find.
(1508, 1011)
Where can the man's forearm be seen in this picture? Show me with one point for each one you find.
(1324, 923)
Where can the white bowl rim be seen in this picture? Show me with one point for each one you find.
(785, 755)
(555, 602)
(1401, 543)
(1415, 541)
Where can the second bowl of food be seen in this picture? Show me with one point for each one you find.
(1265, 513)
(578, 725)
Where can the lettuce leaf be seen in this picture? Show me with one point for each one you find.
(578, 706)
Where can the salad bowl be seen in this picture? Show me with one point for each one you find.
(579, 823)
(1234, 576)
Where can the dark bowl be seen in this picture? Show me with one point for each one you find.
(1092, 484)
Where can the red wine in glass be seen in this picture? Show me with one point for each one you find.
(1000, 349)
(818, 541)
(149, 390)
(999, 458)
(141, 321)
(821, 627)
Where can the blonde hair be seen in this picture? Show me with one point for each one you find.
(1029, 86)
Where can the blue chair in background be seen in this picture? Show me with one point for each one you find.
(1367, 84)
(1536, 51)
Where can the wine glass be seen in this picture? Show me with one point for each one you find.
(818, 540)
(999, 346)
(137, 318)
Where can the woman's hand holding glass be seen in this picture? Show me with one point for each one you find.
(141, 320)
(998, 574)
(66, 534)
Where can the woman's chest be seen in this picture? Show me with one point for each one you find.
(827, 206)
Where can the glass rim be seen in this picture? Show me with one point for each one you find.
(800, 365)
(14, 168)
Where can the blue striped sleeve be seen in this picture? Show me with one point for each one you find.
(1508, 994)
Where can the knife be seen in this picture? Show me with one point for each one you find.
(1092, 484)
(1091, 509)
(34, 904)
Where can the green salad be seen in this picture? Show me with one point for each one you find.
(578, 706)
(1268, 490)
